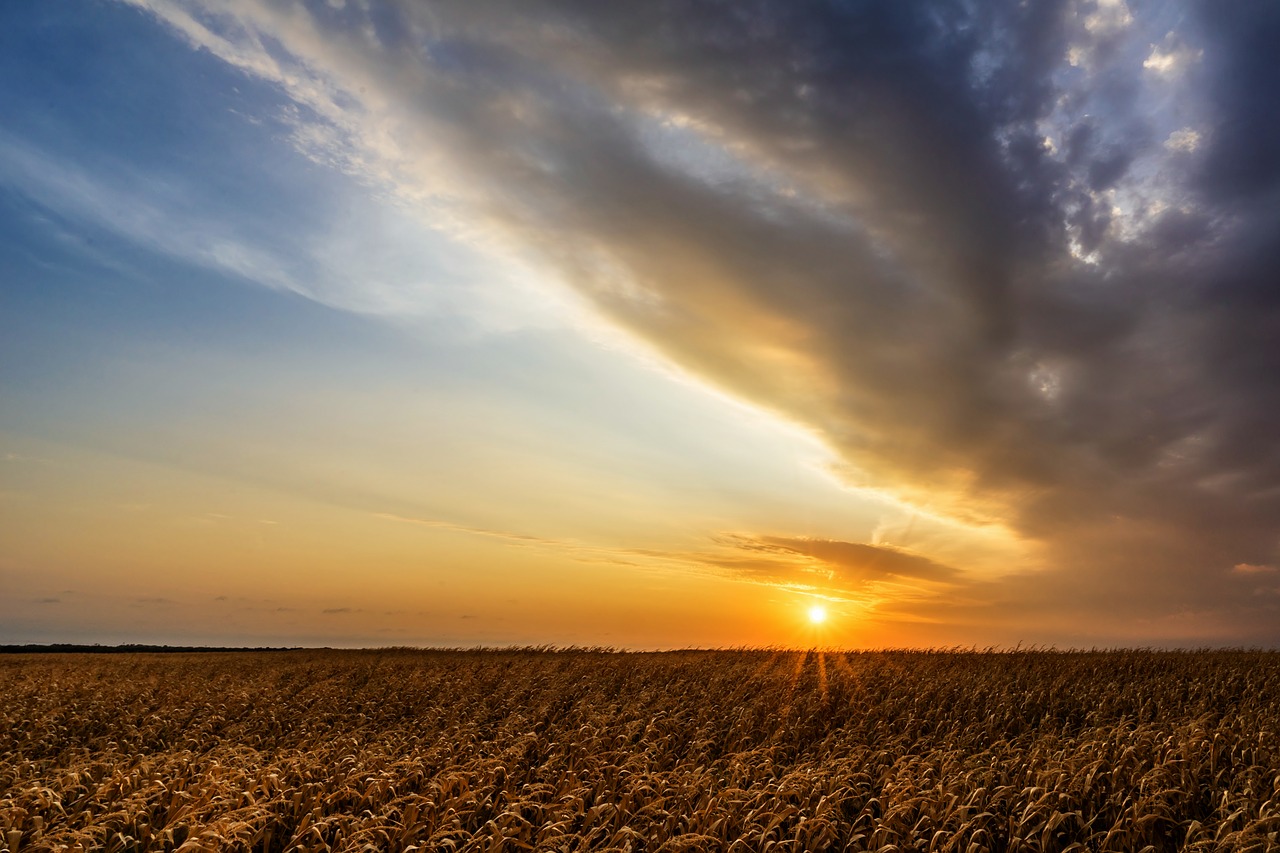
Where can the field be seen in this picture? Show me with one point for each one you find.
(587, 750)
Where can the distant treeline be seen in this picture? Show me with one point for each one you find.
(135, 648)
(141, 648)
(129, 648)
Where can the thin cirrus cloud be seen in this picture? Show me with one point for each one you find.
(362, 255)
(1014, 262)
(138, 209)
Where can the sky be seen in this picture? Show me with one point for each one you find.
(641, 325)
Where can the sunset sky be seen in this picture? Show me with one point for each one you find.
(648, 325)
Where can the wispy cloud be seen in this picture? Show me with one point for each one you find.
(860, 561)
(439, 524)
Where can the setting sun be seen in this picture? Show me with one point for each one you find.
(817, 614)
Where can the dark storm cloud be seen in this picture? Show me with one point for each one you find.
(1015, 261)
(928, 316)
(1243, 38)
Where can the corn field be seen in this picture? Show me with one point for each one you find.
(542, 750)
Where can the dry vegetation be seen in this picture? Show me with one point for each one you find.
(741, 750)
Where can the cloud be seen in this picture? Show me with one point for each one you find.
(849, 215)
(440, 524)
(869, 574)
(1170, 60)
(1183, 139)
(1239, 52)
(856, 560)
(1108, 16)
(140, 208)
(363, 254)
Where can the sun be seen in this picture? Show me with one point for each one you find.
(817, 614)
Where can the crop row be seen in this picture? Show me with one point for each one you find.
(575, 750)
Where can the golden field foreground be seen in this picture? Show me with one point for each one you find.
(585, 750)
